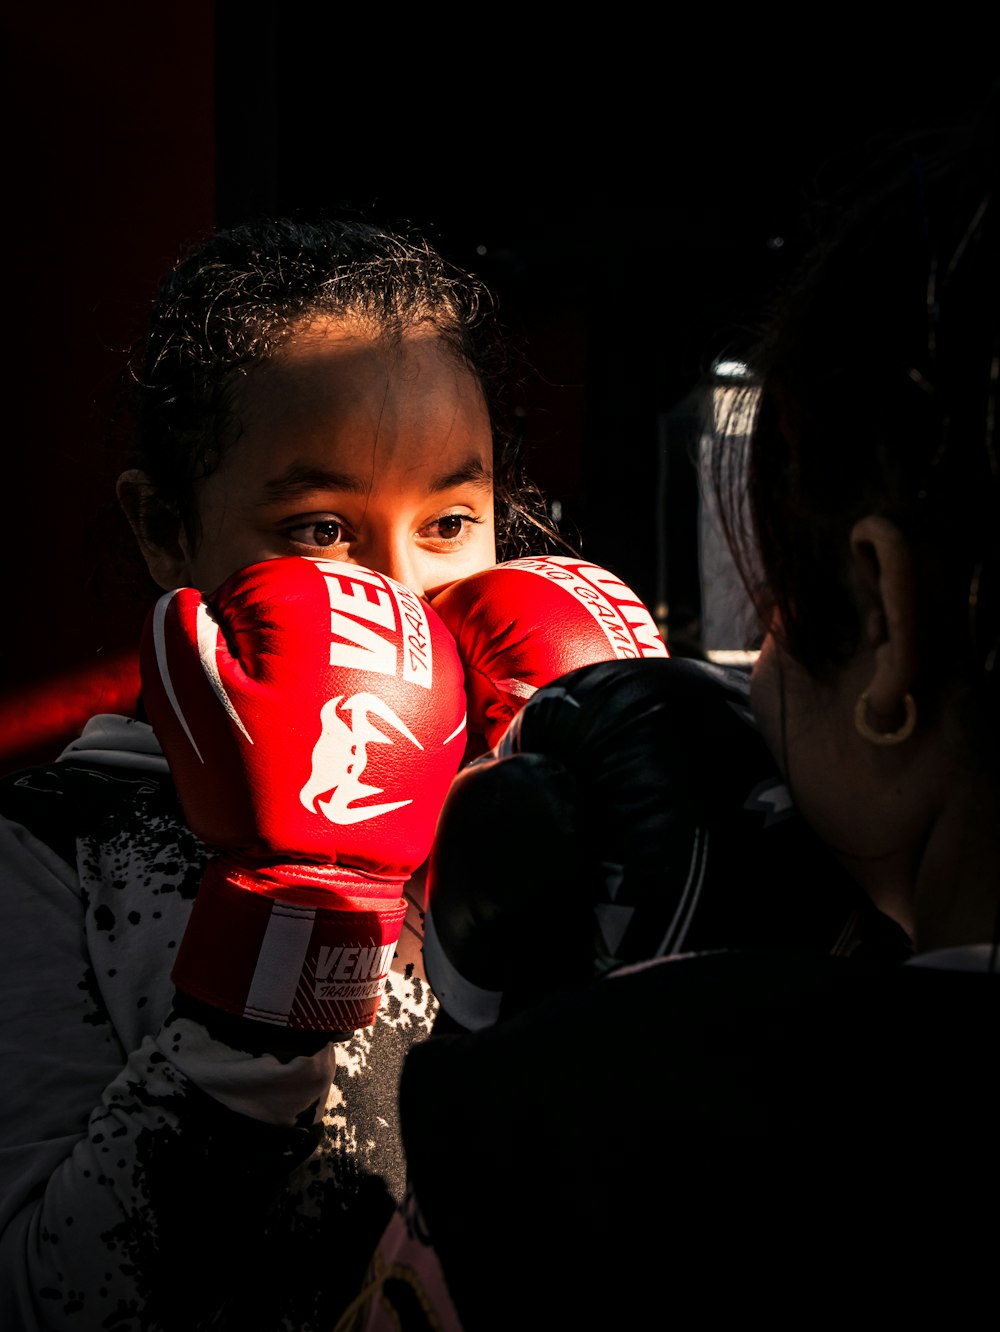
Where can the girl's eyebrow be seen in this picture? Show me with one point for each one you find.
(473, 472)
(300, 478)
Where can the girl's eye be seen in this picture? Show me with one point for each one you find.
(450, 526)
(320, 532)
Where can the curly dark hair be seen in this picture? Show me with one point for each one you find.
(234, 300)
(875, 390)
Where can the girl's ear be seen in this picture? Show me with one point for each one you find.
(884, 568)
(158, 530)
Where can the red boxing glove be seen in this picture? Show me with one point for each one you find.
(313, 716)
(522, 624)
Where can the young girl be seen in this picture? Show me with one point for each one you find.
(328, 390)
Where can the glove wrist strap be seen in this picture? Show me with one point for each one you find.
(294, 954)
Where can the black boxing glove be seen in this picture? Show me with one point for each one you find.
(571, 788)
(640, 815)
(496, 938)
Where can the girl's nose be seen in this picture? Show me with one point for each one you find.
(397, 559)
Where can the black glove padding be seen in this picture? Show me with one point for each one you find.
(506, 921)
(631, 810)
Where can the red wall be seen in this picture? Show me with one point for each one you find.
(109, 120)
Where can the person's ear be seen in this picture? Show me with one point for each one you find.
(157, 528)
(883, 566)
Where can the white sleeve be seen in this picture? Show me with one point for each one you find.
(128, 1177)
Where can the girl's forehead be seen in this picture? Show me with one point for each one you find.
(333, 358)
(339, 391)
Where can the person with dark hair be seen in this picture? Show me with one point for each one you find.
(321, 424)
(235, 301)
(666, 1102)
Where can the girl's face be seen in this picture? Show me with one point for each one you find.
(352, 449)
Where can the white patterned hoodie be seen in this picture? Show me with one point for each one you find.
(152, 1177)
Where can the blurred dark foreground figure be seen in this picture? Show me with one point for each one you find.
(745, 1132)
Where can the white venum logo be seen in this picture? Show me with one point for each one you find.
(341, 755)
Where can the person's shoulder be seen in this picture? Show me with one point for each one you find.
(726, 1075)
(760, 1006)
(110, 740)
(755, 1006)
(114, 762)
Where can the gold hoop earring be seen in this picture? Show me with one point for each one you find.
(865, 729)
